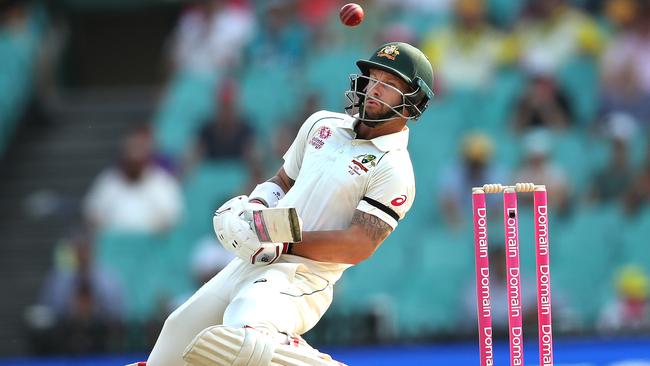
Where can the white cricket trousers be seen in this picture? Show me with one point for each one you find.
(284, 297)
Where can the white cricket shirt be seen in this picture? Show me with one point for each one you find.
(335, 174)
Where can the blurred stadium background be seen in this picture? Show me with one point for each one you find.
(124, 123)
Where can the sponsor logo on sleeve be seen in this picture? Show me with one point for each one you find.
(399, 200)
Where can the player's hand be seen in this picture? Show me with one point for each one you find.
(238, 237)
(235, 234)
(236, 205)
(239, 206)
(249, 207)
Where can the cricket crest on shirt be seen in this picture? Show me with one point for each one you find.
(318, 140)
(361, 164)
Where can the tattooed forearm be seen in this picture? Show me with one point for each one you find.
(376, 229)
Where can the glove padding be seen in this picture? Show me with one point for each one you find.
(236, 235)
(236, 204)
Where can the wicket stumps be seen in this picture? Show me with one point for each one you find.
(515, 314)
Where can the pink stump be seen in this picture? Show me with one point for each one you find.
(543, 279)
(482, 279)
(511, 223)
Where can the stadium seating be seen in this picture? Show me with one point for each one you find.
(136, 259)
(189, 101)
(504, 12)
(438, 270)
(495, 110)
(635, 233)
(156, 267)
(18, 51)
(579, 78)
(567, 149)
(421, 270)
(206, 188)
(268, 97)
(327, 73)
(584, 255)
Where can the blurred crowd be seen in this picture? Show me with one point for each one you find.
(555, 92)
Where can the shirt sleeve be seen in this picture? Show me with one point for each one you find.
(96, 204)
(168, 199)
(296, 152)
(390, 194)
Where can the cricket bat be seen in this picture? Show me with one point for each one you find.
(277, 225)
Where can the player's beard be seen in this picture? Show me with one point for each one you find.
(373, 119)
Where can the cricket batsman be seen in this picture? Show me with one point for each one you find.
(350, 178)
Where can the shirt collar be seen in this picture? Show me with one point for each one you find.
(394, 141)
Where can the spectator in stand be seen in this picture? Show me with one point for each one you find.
(538, 167)
(618, 15)
(136, 195)
(552, 32)
(283, 39)
(474, 168)
(14, 14)
(639, 193)
(316, 13)
(211, 35)
(542, 105)
(629, 310)
(616, 178)
(227, 135)
(644, 177)
(626, 69)
(429, 7)
(468, 51)
(84, 301)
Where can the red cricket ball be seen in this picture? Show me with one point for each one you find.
(351, 14)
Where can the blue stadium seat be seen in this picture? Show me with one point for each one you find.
(635, 233)
(376, 275)
(495, 112)
(328, 74)
(134, 257)
(584, 254)
(268, 96)
(434, 138)
(505, 12)
(508, 149)
(18, 50)
(205, 189)
(579, 77)
(570, 151)
(438, 266)
(189, 101)
(599, 151)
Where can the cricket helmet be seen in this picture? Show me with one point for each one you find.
(404, 61)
